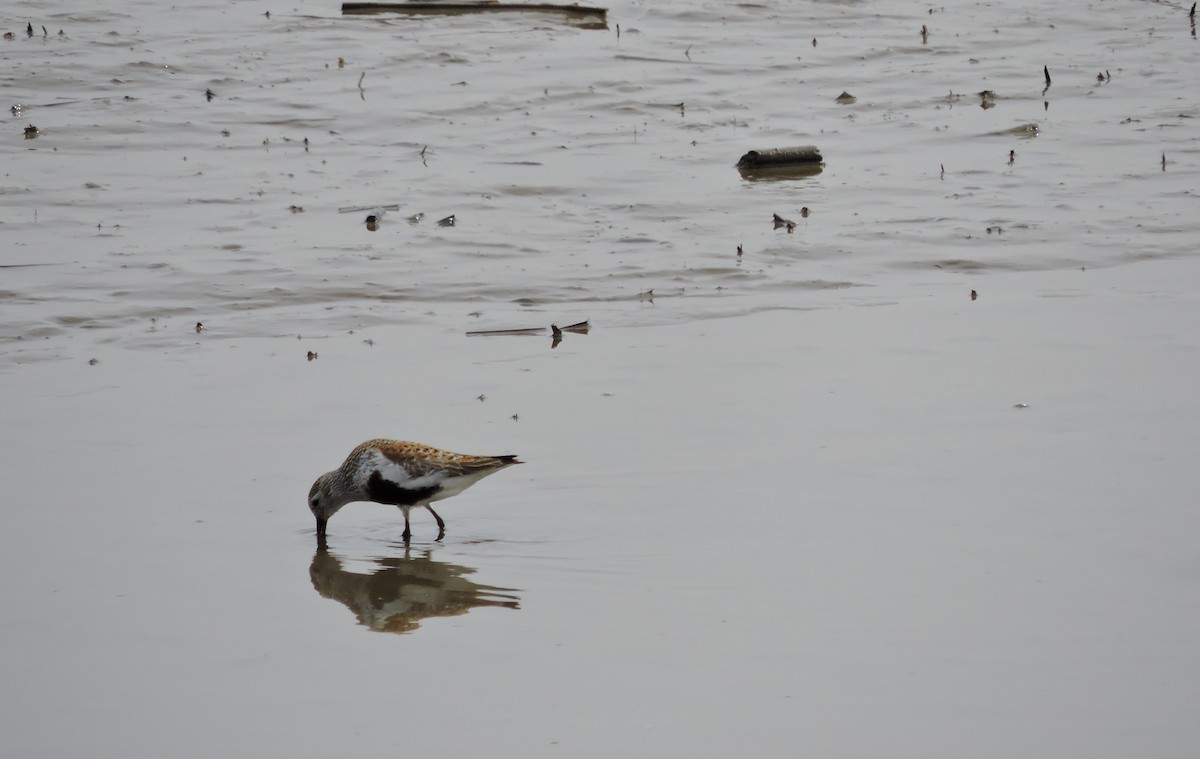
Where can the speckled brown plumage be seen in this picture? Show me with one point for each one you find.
(402, 474)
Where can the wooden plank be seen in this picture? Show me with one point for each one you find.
(593, 18)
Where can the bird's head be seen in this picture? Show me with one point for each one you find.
(324, 500)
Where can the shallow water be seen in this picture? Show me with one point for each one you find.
(814, 498)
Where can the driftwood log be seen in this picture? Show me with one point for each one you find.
(781, 163)
(585, 16)
(757, 159)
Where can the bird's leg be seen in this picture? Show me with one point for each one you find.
(441, 524)
(407, 530)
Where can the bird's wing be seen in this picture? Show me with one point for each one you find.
(400, 465)
(422, 460)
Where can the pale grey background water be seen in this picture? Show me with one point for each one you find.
(785, 504)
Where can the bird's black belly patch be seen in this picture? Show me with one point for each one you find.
(386, 491)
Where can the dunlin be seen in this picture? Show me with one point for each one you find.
(402, 474)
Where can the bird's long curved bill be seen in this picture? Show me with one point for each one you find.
(321, 528)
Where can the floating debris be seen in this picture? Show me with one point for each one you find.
(1012, 157)
(781, 163)
(31, 132)
(804, 212)
(845, 98)
(582, 16)
(739, 251)
(296, 209)
(998, 230)
(446, 222)
(924, 34)
(579, 328)
(199, 328)
(416, 218)
(1024, 131)
(93, 361)
(1020, 405)
(209, 95)
(376, 207)
(494, 332)
(974, 295)
(312, 355)
(987, 99)
(806, 154)
(782, 222)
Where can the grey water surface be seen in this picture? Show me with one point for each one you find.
(914, 477)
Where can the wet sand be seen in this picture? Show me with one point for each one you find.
(817, 500)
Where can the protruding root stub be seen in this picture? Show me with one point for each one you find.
(781, 163)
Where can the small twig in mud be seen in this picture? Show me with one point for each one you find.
(1164, 162)
(490, 332)
(579, 328)
(739, 251)
(1046, 71)
(943, 176)
(688, 53)
(209, 95)
(379, 206)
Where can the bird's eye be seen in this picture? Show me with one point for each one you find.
(315, 502)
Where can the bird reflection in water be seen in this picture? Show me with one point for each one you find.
(403, 590)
